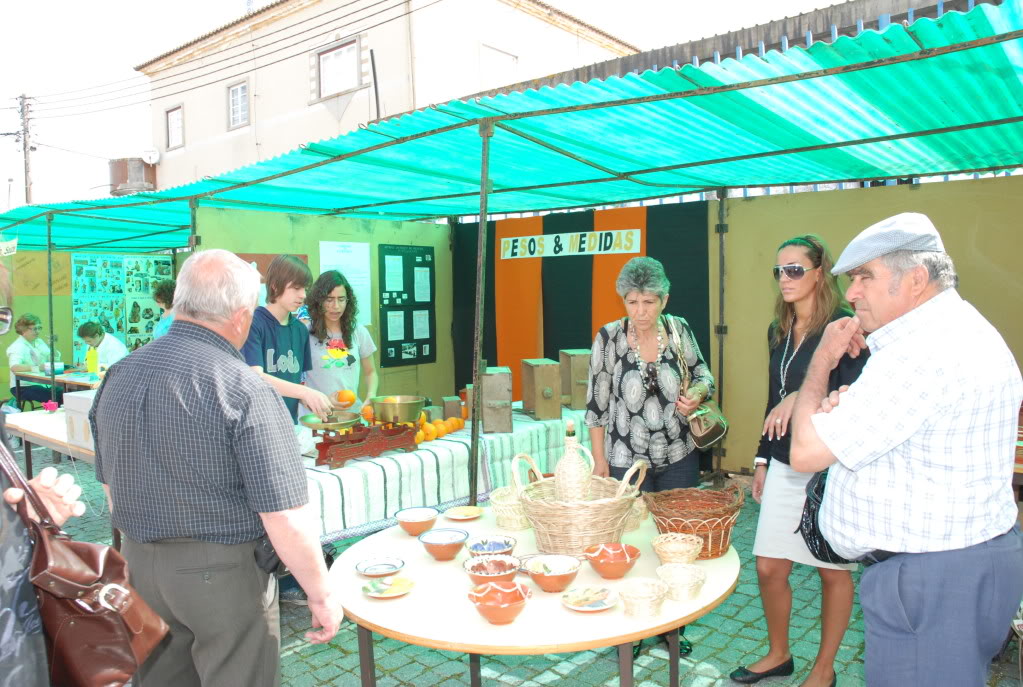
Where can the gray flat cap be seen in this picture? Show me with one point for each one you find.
(907, 231)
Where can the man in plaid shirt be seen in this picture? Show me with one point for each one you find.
(920, 455)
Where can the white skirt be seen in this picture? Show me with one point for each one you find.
(780, 510)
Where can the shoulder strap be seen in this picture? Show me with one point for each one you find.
(10, 468)
(680, 352)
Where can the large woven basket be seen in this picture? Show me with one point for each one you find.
(708, 513)
(570, 526)
(505, 500)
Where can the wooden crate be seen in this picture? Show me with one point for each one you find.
(496, 388)
(575, 376)
(541, 388)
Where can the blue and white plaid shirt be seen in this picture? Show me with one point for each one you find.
(193, 443)
(925, 438)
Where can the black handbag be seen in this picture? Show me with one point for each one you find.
(808, 526)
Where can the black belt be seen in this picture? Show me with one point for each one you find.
(877, 556)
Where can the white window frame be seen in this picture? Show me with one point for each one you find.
(171, 145)
(248, 105)
(333, 48)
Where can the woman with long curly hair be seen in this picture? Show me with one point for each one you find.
(808, 299)
(341, 348)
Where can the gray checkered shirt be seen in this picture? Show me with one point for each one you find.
(193, 443)
(925, 438)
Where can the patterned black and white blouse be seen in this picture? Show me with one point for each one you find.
(639, 425)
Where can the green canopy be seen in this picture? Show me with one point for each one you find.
(939, 96)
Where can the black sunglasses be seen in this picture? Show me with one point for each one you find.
(791, 271)
(651, 375)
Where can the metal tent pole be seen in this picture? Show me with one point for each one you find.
(486, 130)
(49, 303)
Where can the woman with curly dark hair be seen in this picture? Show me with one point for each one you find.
(341, 348)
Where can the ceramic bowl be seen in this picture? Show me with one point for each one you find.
(553, 572)
(500, 602)
(443, 543)
(612, 561)
(379, 566)
(483, 569)
(491, 545)
(415, 521)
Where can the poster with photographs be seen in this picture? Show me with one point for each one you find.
(97, 295)
(141, 275)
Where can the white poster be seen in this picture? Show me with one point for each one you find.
(394, 273)
(352, 260)
(395, 325)
(420, 324)
(422, 285)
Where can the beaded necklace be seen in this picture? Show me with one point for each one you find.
(783, 368)
(634, 335)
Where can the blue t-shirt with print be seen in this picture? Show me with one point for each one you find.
(282, 350)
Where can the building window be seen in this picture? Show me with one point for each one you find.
(339, 69)
(237, 105)
(175, 127)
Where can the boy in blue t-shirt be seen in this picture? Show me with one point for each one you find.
(278, 343)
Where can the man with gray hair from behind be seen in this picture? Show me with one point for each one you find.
(203, 473)
(919, 452)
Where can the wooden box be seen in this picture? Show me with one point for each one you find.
(452, 406)
(496, 390)
(434, 413)
(575, 376)
(541, 389)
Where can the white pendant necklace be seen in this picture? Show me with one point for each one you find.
(783, 368)
(634, 335)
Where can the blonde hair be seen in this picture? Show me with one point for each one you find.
(827, 297)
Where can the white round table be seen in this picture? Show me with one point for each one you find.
(437, 612)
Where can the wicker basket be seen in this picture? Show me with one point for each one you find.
(643, 596)
(684, 580)
(570, 526)
(707, 513)
(674, 547)
(505, 500)
(572, 473)
(637, 515)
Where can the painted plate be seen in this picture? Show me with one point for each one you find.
(590, 599)
(388, 587)
(382, 566)
(463, 512)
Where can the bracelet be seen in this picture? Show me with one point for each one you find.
(759, 461)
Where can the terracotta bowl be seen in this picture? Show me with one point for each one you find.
(500, 602)
(612, 561)
(552, 572)
(415, 521)
(491, 545)
(483, 569)
(444, 543)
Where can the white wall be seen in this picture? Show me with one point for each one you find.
(447, 40)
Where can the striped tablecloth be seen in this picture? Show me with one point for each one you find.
(363, 496)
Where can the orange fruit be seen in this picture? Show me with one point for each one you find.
(429, 432)
(422, 419)
(420, 436)
(461, 423)
(452, 424)
(465, 412)
(367, 412)
(442, 429)
(345, 397)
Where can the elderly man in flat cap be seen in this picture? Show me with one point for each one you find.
(920, 456)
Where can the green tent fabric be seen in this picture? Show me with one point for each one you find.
(939, 96)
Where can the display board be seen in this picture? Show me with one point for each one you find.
(408, 320)
(117, 292)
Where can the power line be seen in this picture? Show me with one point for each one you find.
(233, 57)
(224, 78)
(76, 152)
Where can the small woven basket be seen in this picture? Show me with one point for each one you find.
(570, 526)
(674, 547)
(505, 500)
(637, 515)
(643, 596)
(709, 514)
(684, 580)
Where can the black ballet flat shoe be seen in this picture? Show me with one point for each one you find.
(748, 677)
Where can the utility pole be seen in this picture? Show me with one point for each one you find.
(26, 146)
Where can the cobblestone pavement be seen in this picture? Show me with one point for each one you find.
(732, 635)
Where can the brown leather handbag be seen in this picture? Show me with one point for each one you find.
(707, 424)
(98, 629)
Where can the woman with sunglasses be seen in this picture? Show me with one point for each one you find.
(634, 410)
(808, 299)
